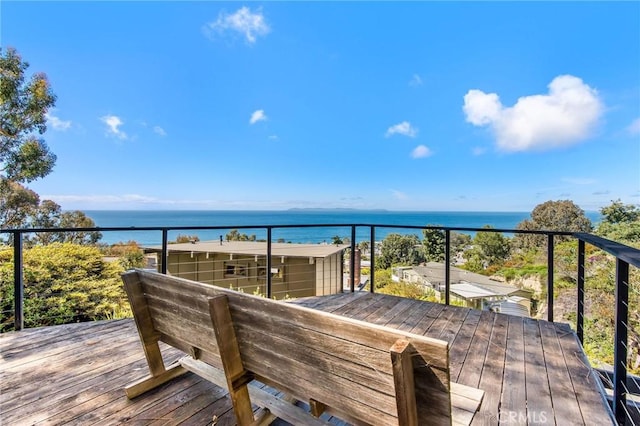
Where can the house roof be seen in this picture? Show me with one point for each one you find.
(476, 290)
(511, 307)
(434, 272)
(464, 283)
(254, 248)
(470, 291)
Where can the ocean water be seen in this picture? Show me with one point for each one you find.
(232, 219)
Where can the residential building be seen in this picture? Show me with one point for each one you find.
(297, 270)
(467, 288)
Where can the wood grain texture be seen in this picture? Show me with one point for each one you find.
(401, 354)
(336, 361)
(234, 371)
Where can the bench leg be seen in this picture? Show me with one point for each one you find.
(236, 376)
(145, 384)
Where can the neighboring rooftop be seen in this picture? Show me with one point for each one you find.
(253, 248)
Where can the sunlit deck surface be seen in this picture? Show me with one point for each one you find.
(532, 371)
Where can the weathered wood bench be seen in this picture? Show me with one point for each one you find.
(359, 372)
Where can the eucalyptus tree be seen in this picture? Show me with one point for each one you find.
(24, 155)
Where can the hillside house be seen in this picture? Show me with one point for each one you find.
(467, 288)
(297, 270)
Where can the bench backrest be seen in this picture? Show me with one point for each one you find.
(342, 363)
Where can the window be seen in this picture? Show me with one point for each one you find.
(275, 272)
(233, 269)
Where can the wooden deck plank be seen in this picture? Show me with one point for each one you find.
(57, 382)
(460, 347)
(385, 311)
(449, 331)
(355, 305)
(593, 406)
(467, 359)
(494, 328)
(539, 405)
(415, 314)
(397, 311)
(330, 303)
(564, 399)
(513, 402)
(486, 352)
(427, 319)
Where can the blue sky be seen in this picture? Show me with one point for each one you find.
(402, 106)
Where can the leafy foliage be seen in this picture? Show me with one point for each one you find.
(63, 283)
(433, 244)
(185, 239)
(494, 246)
(397, 249)
(49, 215)
(620, 223)
(561, 215)
(235, 235)
(25, 157)
(410, 291)
(23, 108)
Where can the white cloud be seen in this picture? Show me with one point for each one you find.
(421, 151)
(111, 199)
(634, 127)
(243, 21)
(403, 128)
(113, 123)
(415, 81)
(399, 195)
(57, 123)
(273, 137)
(258, 115)
(479, 150)
(579, 180)
(566, 115)
(159, 131)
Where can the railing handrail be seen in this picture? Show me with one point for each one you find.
(281, 226)
(628, 254)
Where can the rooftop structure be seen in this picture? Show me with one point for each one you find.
(473, 290)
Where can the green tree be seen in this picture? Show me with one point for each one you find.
(364, 247)
(24, 156)
(459, 242)
(618, 212)
(494, 246)
(620, 222)
(49, 215)
(561, 215)
(397, 249)
(186, 239)
(475, 260)
(433, 244)
(235, 235)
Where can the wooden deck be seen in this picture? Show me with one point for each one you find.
(532, 371)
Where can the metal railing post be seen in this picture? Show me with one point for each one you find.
(447, 266)
(580, 305)
(372, 268)
(550, 277)
(269, 262)
(620, 344)
(352, 260)
(165, 251)
(18, 282)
